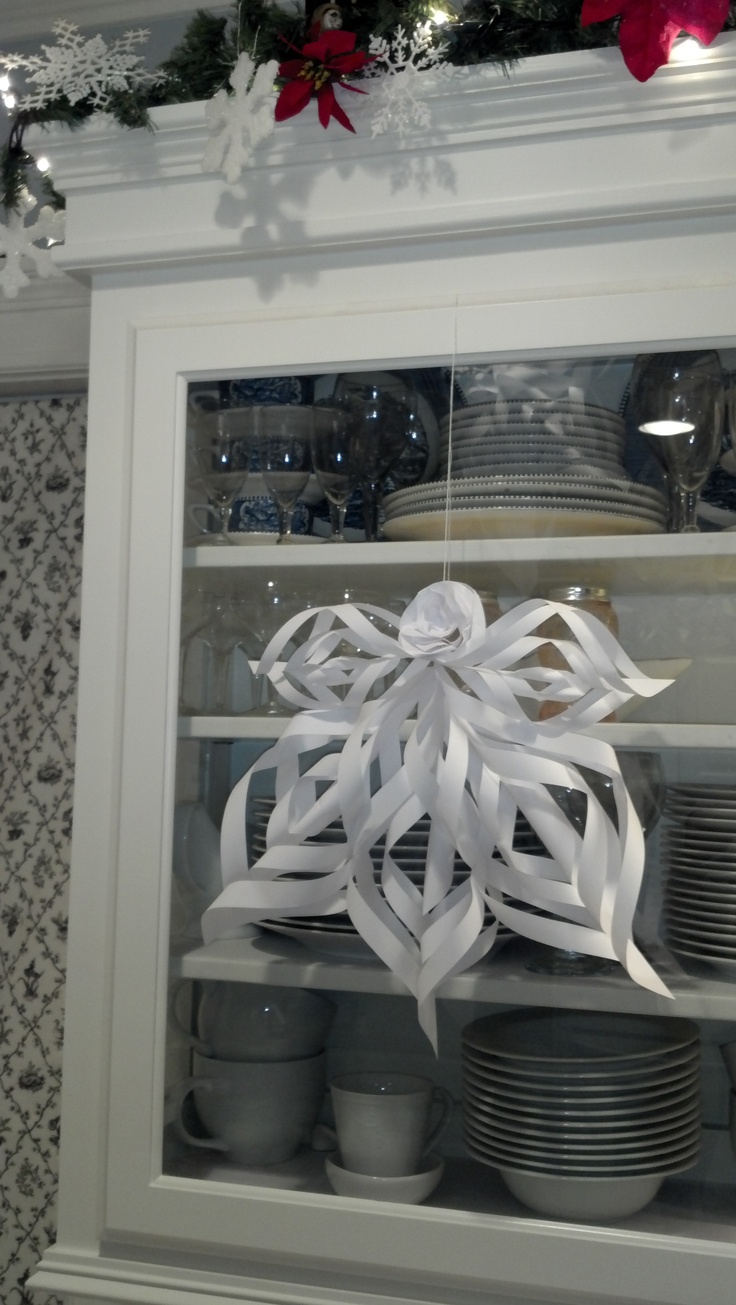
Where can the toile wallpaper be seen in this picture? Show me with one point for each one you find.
(41, 487)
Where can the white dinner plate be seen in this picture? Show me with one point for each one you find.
(572, 1037)
(618, 1150)
(655, 1164)
(581, 1074)
(518, 523)
(643, 1092)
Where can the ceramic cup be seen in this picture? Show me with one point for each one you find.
(257, 1021)
(259, 1114)
(383, 1121)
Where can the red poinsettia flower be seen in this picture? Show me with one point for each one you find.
(321, 63)
(649, 28)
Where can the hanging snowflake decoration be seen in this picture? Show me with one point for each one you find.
(80, 69)
(472, 761)
(18, 243)
(401, 106)
(239, 122)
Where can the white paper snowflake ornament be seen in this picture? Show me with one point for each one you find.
(398, 101)
(18, 244)
(239, 122)
(81, 69)
(471, 759)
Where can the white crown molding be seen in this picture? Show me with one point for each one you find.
(566, 140)
(20, 20)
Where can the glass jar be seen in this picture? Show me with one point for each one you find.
(588, 599)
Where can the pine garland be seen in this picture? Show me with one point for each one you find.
(502, 32)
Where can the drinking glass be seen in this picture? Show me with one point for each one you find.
(223, 443)
(219, 659)
(678, 402)
(381, 412)
(334, 461)
(284, 446)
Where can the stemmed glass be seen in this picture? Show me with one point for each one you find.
(284, 446)
(678, 403)
(334, 461)
(381, 413)
(223, 443)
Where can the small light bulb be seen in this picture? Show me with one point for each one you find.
(9, 101)
(4, 83)
(43, 164)
(688, 49)
(667, 427)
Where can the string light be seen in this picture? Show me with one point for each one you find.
(687, 50)
(43, 164)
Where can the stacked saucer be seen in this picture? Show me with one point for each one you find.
(531, 467)
(699, 898)
(583, 1113)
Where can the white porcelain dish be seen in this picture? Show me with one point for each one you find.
(571, 1036)
(585, 1200)
(518, 523)
(409, 1189)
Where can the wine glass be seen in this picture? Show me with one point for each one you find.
(223, 442)
(678, 402)
(334, 461)
(381, 411)
(284, 446)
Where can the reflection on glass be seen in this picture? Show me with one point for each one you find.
(678, 404)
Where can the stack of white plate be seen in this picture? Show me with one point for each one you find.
(531, 505)
(583, 1113)
(510, 436)
(531, 467)
(699, 847)
(336, 934)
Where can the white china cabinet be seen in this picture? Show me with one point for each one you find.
(563, 212)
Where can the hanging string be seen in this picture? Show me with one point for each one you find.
(448, 482)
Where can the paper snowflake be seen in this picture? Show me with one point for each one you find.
(239, 122)
(80, 69)
(400, 102)
(18, 242)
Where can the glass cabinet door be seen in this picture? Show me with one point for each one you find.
(560, 1087)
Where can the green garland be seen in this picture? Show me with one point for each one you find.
(502, 32)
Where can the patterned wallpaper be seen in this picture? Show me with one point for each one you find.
(41, 487)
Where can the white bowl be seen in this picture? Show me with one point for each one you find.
(409, 1189)
(585, 1199)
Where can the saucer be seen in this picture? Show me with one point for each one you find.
(409, 1188)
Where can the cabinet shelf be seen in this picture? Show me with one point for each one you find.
(502, 979)
(624, 734)
(625, 564)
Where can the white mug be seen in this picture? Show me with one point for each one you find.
(383, 1121)
(258, 1114)
(257, 1021)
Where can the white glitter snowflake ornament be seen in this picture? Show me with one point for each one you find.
(18, 243)
(400, 103)
(239, 122)
(80, 69)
